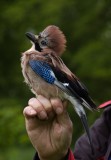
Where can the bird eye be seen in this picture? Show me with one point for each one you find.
(43, 43)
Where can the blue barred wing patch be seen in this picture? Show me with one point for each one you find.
(43, 70)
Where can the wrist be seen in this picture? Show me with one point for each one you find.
(56, 156)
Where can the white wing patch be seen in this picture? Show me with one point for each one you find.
(66, 84)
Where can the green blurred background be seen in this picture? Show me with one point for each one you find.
(87, 26)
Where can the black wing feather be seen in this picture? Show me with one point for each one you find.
(77, 88)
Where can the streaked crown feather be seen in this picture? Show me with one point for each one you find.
(55, 38)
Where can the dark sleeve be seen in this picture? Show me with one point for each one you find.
(100, 132)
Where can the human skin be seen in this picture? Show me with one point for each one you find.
(49, 127)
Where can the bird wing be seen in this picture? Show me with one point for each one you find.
(72, 83)
(75, 87)
(54, 71)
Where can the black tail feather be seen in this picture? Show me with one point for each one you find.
(85, 124)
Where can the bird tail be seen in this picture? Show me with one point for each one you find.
(86, 127)
(81, 113)
(77, 105)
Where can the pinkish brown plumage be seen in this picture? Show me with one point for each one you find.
(46, 74)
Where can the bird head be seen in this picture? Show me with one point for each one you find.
(50, 38)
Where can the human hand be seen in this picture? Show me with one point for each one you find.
(49, 127)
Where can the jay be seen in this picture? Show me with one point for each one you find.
(46, 74)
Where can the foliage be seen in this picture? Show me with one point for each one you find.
(87, 26)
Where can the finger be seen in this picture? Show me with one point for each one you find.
(45, 103)
(47, 106)
(57, 105)
(38, 107)
(29, 112)
(65, 104)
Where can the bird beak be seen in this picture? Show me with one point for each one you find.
(31, 36)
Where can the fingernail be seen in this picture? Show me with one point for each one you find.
(59, 110)
(42, 115)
